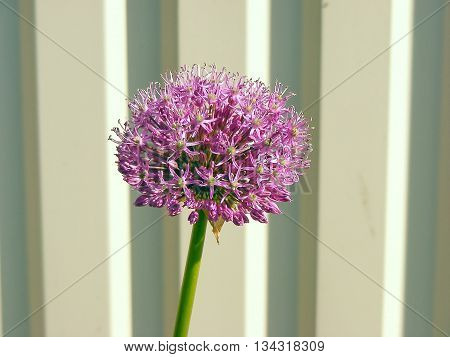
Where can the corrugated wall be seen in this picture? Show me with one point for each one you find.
(361, 250)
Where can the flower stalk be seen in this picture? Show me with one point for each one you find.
(190, 277)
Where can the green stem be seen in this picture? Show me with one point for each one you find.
(190, 278)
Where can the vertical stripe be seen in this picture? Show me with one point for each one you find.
(311, 35)
(283, 297)
(31, 164)
(423, 169)
(295, 50)
(256, 234)
(397, 166)
(441, 307)
(169, 59)
(13, 251)
(143, 47)
(118, 194)
(152, 49)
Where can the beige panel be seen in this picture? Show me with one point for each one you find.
(73, 129)
(214, 32)
(352, 167)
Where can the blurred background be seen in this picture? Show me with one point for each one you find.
(361, 251)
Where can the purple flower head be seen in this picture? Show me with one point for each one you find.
(214, 141)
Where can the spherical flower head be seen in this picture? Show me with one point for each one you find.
(207, 139)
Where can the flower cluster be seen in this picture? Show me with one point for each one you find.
(215, 141)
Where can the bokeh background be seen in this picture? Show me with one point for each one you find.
(361, 251)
